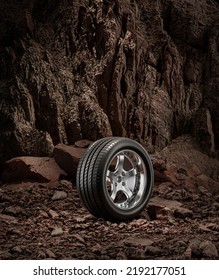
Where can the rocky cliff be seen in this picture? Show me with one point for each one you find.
(143, 69)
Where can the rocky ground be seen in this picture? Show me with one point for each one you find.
(46, 220)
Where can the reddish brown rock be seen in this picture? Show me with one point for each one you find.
(164, 172)
(41, 169)
(158, 206)
(68, 157)
(8, 219)
(84, 143)
(159, 164)
(195, 170)
(208, 249)
(160, 177)
(211, 185)
(136, 241)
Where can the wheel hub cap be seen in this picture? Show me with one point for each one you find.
(126, 179)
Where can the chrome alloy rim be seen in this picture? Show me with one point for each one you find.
(126, 179)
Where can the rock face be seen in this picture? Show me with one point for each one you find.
(142, 69)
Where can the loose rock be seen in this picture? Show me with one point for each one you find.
(53, 214)
(182, 212)
(50, 254)
(57, 231)
(152, 250)
(58, 195)
(208, 249)
(8, 219)
(136, 241)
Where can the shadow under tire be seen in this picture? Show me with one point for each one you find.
(115, 178)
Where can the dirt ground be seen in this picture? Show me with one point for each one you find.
(181, 220)
(35, 224)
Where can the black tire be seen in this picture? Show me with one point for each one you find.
(115, 178)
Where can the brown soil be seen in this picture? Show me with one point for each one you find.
(34, 226)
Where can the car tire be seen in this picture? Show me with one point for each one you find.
(115, 178)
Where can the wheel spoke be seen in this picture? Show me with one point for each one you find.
(128, 193)
(114, 193)
(120, 163)
(131, 173)
(110, 175)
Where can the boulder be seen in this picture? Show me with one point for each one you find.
(41, 169)
(68, 157)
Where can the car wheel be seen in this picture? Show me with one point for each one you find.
(115, 178)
